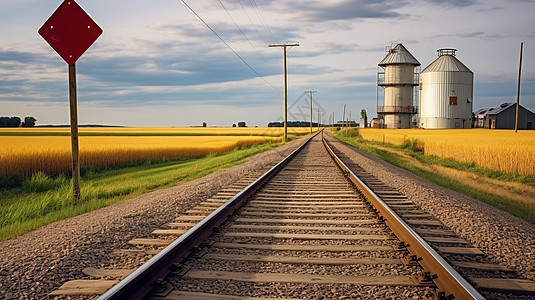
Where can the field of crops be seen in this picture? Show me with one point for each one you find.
(156, 131)
(29, 150)
(494, 149)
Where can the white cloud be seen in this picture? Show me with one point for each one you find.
(154, 58)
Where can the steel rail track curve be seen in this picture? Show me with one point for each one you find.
(140, 282)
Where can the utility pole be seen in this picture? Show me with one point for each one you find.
(319, 116)
(285, 46)
(333, 118)
(310, 92)
(518, 87)
(344, 117)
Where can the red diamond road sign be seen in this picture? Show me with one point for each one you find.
(70, 31)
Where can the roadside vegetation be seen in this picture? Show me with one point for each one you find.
(117, 163)
(510, 191)
(51, 155)
(27, 151)
(43, 199)
(500, 150)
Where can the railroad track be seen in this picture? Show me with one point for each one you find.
(311, 229)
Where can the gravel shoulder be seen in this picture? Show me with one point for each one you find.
(507, 239)
(34, 264)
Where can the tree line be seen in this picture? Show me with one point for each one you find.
(17, 122)
(293, 124)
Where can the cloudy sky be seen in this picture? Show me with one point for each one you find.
(158, 64)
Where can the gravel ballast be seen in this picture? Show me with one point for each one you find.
(308, 186)
(508, 240)
(35, 264)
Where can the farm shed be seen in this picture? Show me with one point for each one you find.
(377, 123)
(503, 117)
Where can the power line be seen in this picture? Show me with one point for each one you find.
(252, 23)
(261, 18)
(228, 46)
(241, 31)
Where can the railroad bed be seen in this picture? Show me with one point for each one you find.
(308, 233)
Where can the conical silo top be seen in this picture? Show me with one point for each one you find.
(446, 62)
(399, 55)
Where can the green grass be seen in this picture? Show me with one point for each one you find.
(414, 149)
(40, 182)
(522, 210)
(43, 200)
(472, 167)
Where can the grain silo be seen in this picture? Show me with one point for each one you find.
(398, 78)
(446, 91)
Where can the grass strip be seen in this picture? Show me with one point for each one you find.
(472, 167)
(522, 210)
(25, 209)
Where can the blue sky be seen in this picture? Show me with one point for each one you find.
(157, 64)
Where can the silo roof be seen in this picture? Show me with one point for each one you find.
(446, 63)
(399, 55)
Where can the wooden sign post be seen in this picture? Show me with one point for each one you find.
(74, 132)
(70, 31)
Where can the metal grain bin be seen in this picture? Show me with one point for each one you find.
(398, 76)
(446, 93)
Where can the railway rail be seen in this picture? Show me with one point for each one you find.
(308, 228)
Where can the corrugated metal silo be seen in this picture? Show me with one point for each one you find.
(446, 92)
(398, 80)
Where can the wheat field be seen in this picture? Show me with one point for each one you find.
(28, 155)
(502, 150)
(231, 131)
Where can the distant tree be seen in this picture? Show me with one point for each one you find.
(233, 125)
(29, 122)
(241, 124)
(364, 116)
(9, 121)
(275, 124)
(203, 124)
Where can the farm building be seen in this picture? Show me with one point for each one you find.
(346, 123)
(398, 75)
(503, 117)
(377, 123)
(446, 91)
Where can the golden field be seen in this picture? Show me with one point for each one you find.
(259, 131)
(52, 154)
(502, 150)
